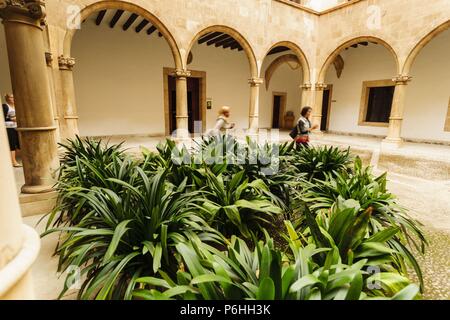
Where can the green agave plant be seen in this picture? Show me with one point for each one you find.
(234, 205)
(122, 237)
(346, 228)
(87, 163)
(181, 163)
(156, 224)
(263, 274)
(316, 162)
(371, 193)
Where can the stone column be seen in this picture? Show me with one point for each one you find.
(306, 95)
(317, 109)
(24, 39)
(19, 244)
(182, 107)
(253, 125)
(398, 105)
(69, 122)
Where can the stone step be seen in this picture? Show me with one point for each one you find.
(36, 204)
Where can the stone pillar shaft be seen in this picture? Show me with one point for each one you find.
(398, 106)
(30, 82)
(69, 116)
(182, 107)
(255, 83)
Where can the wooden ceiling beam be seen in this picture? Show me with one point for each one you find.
(116, 18)
(222, 42)
(219, 38)
(208, 37)
(141, 25)
(235, 45)
(100, 17)
(131, 19)
(151, 30)
(228, 43)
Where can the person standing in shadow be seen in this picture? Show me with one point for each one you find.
(9, 113)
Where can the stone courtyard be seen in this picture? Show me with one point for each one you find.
(425, 195)
(369, 75)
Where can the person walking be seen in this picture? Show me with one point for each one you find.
(222, 123)
(303, 128)
(9, 113)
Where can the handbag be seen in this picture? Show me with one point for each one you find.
(302, 139)
(297, 136)
(294, 132)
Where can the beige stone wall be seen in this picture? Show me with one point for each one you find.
(402, 26)
(361, 64)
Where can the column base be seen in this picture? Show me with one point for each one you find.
(36, 189)
(391, 143)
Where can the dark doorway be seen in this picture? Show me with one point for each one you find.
(326, 103)
(279, 104)
(193, 101)
(276, 112)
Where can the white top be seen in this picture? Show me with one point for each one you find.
(11, 114)
(304, 125)
(221, 126)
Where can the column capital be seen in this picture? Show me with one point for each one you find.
(255, 82)
(181, 73)
(306, 86)
(33, 9)
(66, 63)
(402, 79)
(321, 86)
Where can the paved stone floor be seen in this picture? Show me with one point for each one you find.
(428, 201)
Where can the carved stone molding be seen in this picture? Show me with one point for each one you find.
(402, 79)
(321, 86)
(306, 86)
(180, 73)
(255, 82)
(33, 9)
(49, 58)
(66, 63)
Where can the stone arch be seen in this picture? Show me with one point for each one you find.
(131, 7)
(298, 53)
(237, 36)
(421, 44)
(335, 53)
(276, 63)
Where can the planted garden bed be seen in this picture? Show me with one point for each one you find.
(230, 220)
